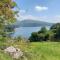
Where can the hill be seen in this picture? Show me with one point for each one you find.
(32, 23)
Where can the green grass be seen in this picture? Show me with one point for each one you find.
(4, 56)
(36, 51)
(45, 51)
(41, 50)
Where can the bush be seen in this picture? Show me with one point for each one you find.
(39, 36)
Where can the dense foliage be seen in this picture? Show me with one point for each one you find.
(7, 17)
(56, 32)
(47, 35)
(39, 36)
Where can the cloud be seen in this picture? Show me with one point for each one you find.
(22, 11)
(30, 17)
(41, 8)
(51, 19)
(55, 19)
(22, 16)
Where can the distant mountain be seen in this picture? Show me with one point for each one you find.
(32, 23)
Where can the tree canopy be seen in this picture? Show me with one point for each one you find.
(7, 16)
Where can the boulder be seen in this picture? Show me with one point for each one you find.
(14, 52)
(10, 49)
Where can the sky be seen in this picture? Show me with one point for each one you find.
(41, 10)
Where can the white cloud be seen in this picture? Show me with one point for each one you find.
(55, 19)
(52, 19)
(41, 8)
(22, 12)
(31, 17)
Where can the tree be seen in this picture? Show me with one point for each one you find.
(34, 37)
(7, 17)
(56, 31)
(39, 36)
(43, 30)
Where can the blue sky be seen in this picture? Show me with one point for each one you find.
(42, 10)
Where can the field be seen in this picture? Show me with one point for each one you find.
(38, 51)
(45, 51)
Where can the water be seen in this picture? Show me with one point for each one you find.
(26, 31)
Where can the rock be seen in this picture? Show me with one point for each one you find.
(10, 49)
(14, 52)
(17, 55)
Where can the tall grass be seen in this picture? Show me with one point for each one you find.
(34, 50)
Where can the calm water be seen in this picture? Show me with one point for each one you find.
(26, 31)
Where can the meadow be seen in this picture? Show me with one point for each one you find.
(45, 51)
(37, 51)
